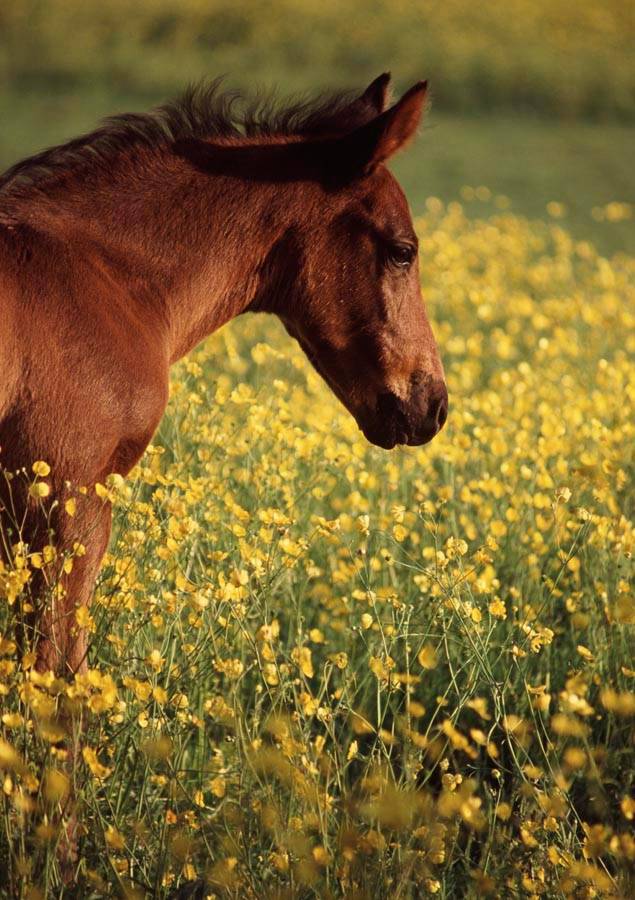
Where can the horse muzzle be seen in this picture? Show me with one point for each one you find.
(412, 422)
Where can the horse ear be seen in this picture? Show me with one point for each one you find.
(362, 150)
(375, 97)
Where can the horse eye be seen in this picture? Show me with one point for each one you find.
(401, 255)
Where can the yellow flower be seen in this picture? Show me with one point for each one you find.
(321, 856)
(155, 660)
(12, 720)
(622, 704)
(90, 758)
(114, 838)
(628, 807)
(301, 656)
(362, 523)
(160, 695)
(497, 608)
(84, 618)
(39, 490)
(381, 668)
(399, 533)
(340, 660)
(56, 785)
(218, 786)
(427, 657)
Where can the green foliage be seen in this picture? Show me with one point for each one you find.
(557, 56)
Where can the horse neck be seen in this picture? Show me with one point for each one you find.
(191, 247)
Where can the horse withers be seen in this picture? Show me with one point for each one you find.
(121, 250)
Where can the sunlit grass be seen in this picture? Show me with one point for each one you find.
(561, 57)
(319, 669)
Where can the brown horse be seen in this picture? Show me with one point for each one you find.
(121, 250)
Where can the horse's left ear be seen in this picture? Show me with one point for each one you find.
(375, 97)
(362, 150)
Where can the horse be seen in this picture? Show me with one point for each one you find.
(122, 249)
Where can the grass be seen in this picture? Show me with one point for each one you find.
(321, 670)
(559, 57)
(529, 160)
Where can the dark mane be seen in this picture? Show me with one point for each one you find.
(203, 111)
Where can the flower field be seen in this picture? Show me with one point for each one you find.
(323, 670)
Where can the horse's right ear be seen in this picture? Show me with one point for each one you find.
(360, 152)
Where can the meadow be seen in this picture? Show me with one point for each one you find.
(319, 669)
(558, 57)
(323, 670)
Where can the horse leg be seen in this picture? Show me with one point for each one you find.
(62, 646)
(62, 643)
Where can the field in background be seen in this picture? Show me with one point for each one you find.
(321, 670)
(559, 57)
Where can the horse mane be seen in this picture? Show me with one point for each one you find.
(204, 111)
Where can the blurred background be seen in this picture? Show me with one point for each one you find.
(533, 100)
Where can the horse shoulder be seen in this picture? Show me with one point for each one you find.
(129, 344)
(90, 368)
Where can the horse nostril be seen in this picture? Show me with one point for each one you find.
(442, 413)
(438, 408)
